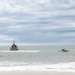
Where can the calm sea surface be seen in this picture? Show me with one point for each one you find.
(37, 55)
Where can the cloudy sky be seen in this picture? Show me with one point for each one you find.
(37, 21)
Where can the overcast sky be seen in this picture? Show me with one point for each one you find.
(37, 21)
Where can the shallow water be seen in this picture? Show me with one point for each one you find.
(50, 57)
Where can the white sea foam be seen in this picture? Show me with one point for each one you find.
(62, 67)
(28, 51)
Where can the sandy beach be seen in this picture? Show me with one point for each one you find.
(35, 73)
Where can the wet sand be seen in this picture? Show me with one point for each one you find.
(35, 73)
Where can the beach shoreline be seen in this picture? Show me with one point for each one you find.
(35, 73)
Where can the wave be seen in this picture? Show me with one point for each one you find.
(28, 51)
(62, 67)
(66, 67)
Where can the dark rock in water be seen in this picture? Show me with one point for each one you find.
(65, 50)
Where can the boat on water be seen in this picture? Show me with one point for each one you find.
(14, 47)
(65, 50)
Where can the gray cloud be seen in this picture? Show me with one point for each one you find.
(38, 21)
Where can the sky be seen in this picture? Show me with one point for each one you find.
(37, 21)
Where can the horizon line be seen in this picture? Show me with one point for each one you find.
(7, 44)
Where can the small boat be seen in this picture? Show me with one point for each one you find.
(65, 50)
(14, 47)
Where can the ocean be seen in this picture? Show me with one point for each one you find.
(38, 58)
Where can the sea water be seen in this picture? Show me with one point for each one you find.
(38, 57)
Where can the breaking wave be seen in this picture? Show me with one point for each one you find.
(62, 67)
(28, 51)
